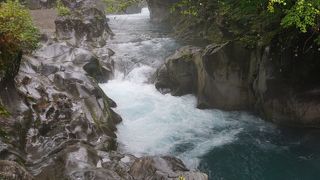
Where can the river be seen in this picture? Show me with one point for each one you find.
(225, 145)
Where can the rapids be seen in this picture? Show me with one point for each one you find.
(226, 145)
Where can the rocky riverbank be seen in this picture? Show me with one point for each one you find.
(56, 122)
(278, 81)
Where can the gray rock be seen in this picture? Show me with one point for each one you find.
(10, 170)
(179, 72)
(231, 77)
(86, 26)
(162, 168)
(160, 10)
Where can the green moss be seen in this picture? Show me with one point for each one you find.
(3, 112)
(62, 10)
(4, 134)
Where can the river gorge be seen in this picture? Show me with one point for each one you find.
(164, 94)
(226, 145)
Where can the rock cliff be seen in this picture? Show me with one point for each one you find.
(231, 77)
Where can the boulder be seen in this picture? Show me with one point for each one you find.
(85, 26)
(218, 75)
(179, 73)
(163, 168)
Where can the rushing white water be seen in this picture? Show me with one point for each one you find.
(154, 123)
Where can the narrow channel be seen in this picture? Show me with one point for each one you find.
(226, 145)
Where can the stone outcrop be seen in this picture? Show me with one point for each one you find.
(179, 73)
(160, 10)
(231, 77)
(85, 26)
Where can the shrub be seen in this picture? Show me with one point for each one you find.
(17, 32)
(62, 9)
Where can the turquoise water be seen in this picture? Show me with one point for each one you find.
(225, 145)
(282, 153)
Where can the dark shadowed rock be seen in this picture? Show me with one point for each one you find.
(223, 72)
(179, 72)
(160, 10)
(286, 94)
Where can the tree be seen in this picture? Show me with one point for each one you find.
(257, 20)
(116, 6)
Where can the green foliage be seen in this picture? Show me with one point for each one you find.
(303, 14)
(62, 9)
(256, 21)
(118, 6)
(17, 31)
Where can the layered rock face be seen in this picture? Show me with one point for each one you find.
(231, 77)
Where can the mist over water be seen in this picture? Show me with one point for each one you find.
(226, 145)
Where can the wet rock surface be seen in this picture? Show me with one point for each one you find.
(231, 77)
(60, 124)
(179, 73)
(163, 168)
(160, 10)
(85, 26)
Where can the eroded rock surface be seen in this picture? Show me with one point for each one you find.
(56, 122)
(231, 77)
(85, 26)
